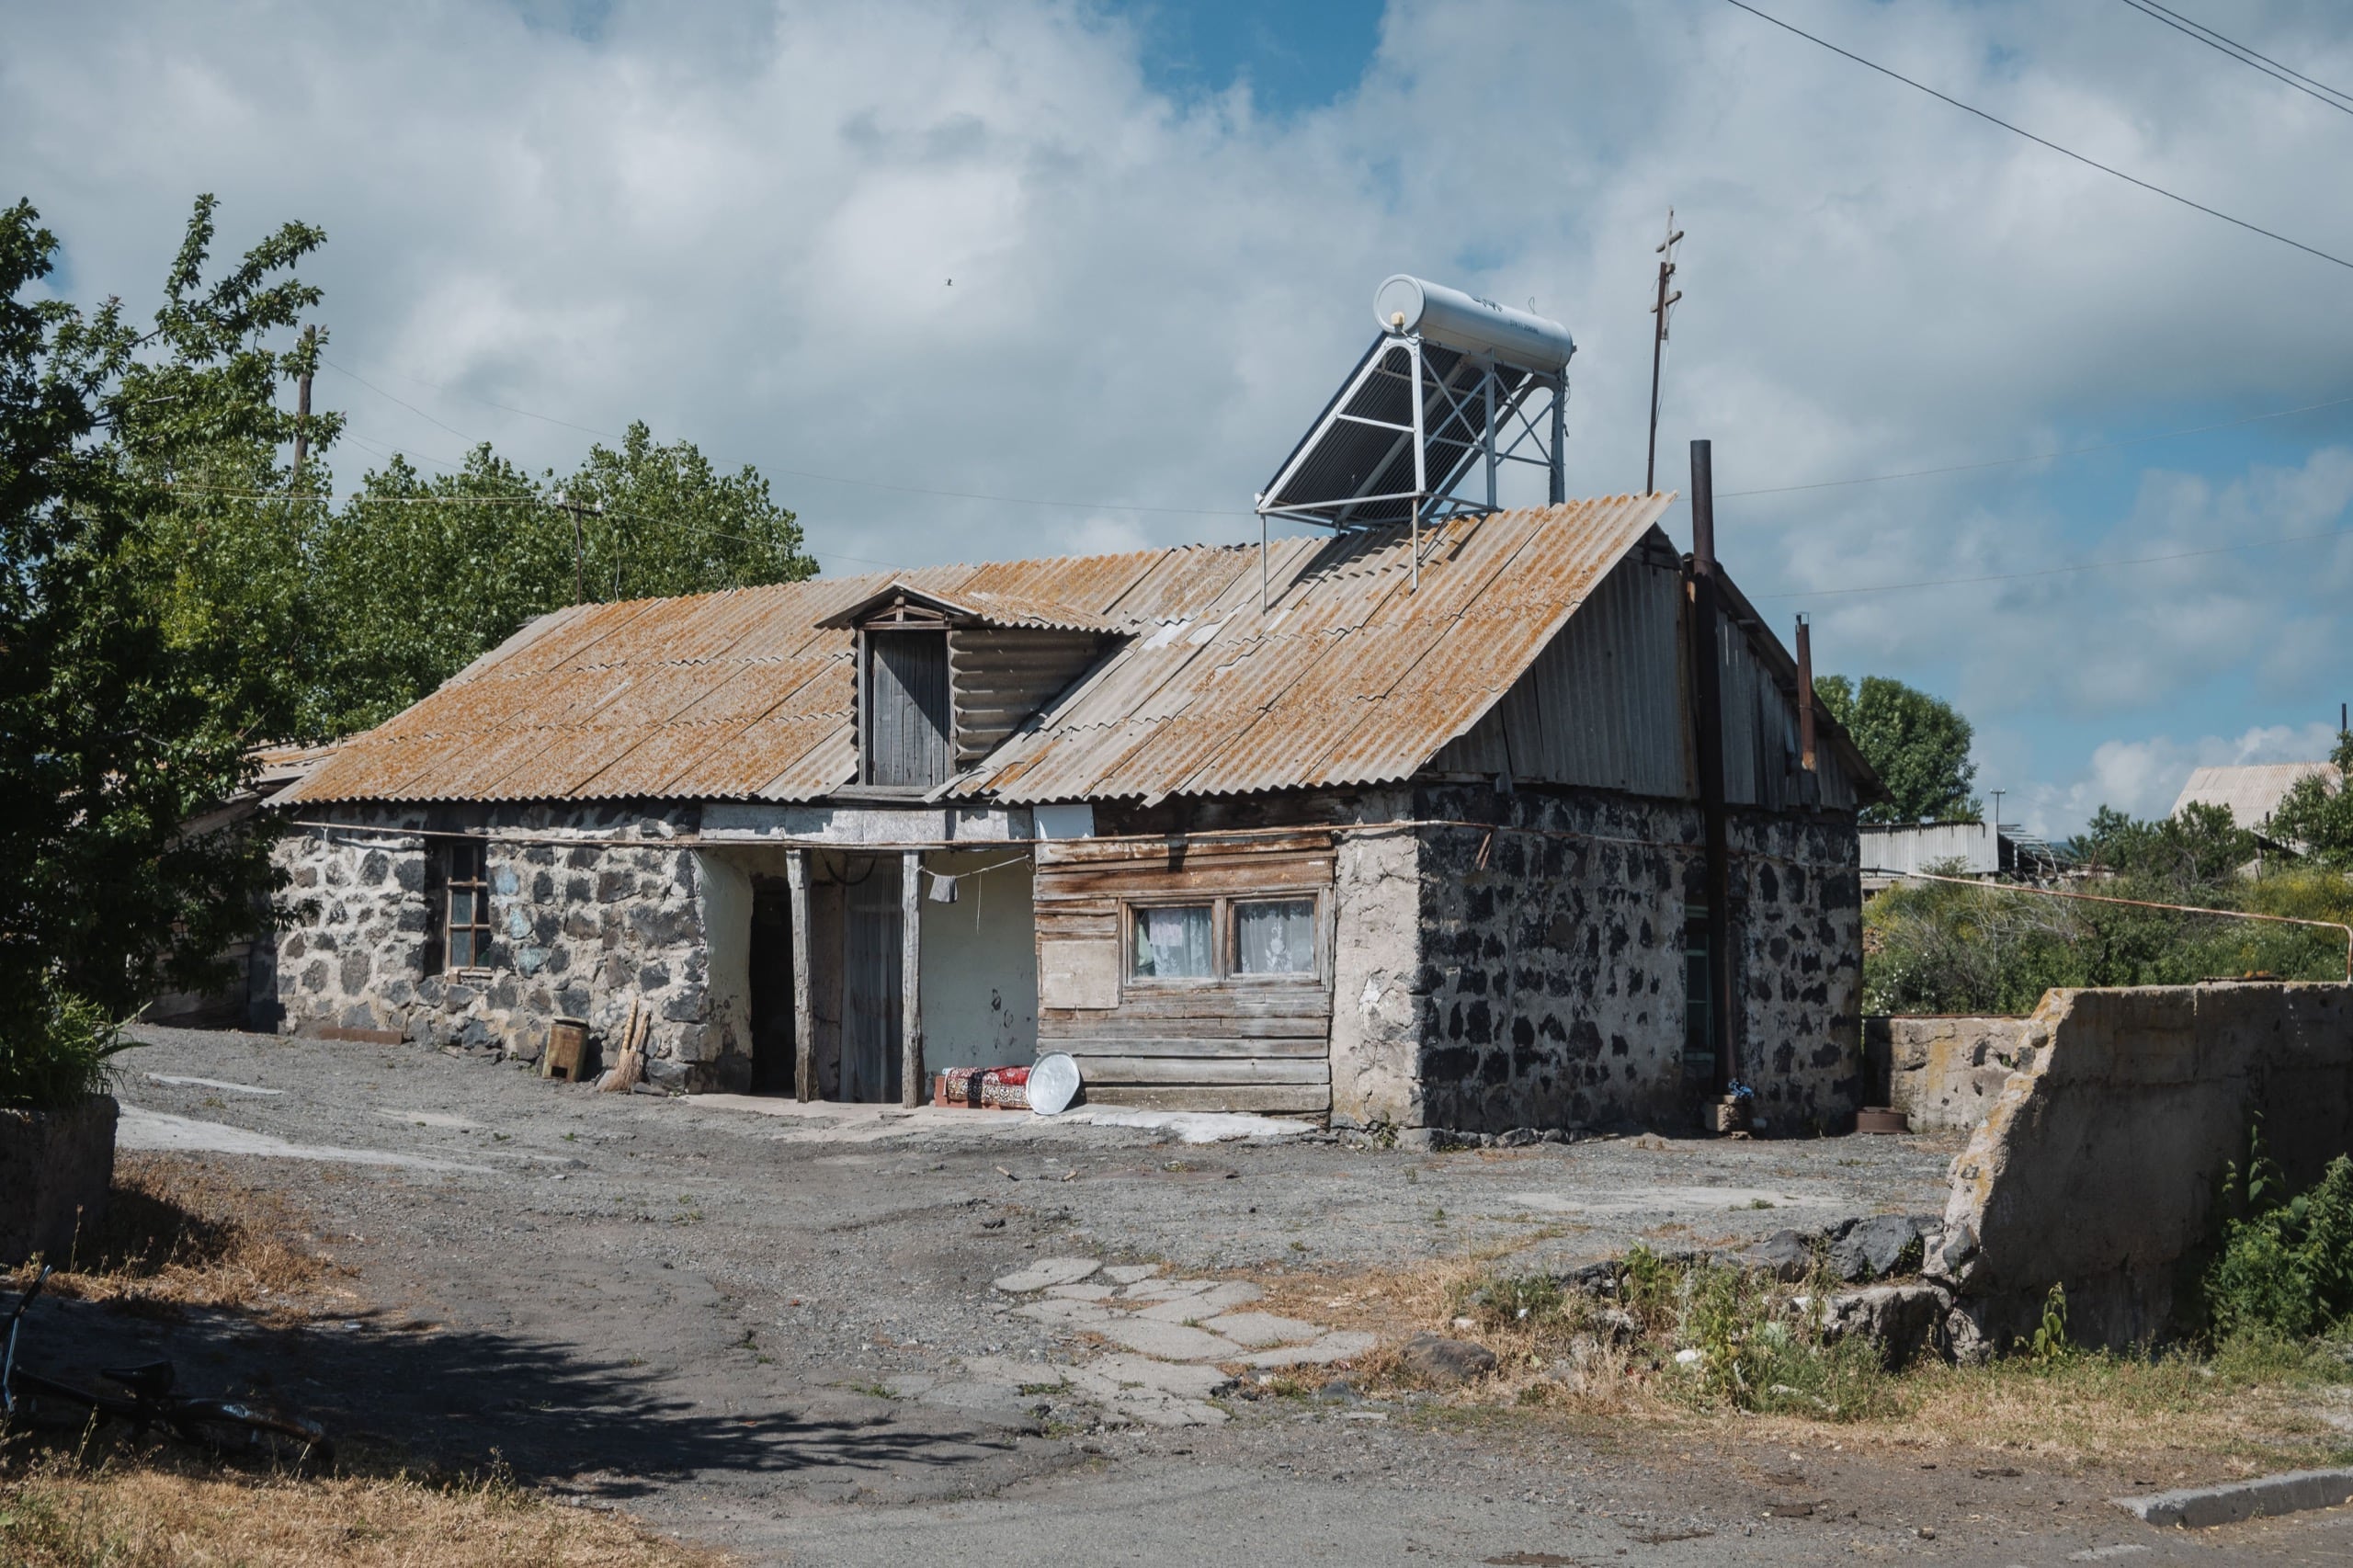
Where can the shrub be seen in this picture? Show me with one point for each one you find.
(54, 1058)
(2286, 1265)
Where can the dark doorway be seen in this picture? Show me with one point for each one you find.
(870, 1048)
(773, 1044)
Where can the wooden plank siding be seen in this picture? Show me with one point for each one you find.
(1228, 1042)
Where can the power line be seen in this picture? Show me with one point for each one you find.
(2287, 76)
(2062, 571)
(2063, 452)
(2040, 141)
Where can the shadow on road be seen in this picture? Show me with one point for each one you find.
(464, 1397)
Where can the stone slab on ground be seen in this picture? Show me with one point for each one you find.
(1321, 1353)
(1204, 1305)
(1047, 1271)
(1061, 1309)
(1168, 1341)
(2199, 1508)
(1129, 1273)
(1261, 1331)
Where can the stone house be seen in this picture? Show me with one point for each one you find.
(1288, 831)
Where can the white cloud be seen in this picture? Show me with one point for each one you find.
(739, 221)
(2144, 776)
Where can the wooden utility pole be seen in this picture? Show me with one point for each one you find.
(1708, 723)
(1658, 343)
(302, 399)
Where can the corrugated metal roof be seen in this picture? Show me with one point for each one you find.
(1349, 679)
(2251, 792)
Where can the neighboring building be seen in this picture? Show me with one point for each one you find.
(1892, 851)
(1407, 857)
(2252, 793)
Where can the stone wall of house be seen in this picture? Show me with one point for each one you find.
(581, 926)
(1547, 984)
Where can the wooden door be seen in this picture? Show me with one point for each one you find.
(870, 1045)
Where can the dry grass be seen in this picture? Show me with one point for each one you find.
(179, 1233)
(2251, 1407)
(54, 1514)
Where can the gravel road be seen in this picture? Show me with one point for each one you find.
(757, 1324)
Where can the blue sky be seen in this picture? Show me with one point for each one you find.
(1165, 223)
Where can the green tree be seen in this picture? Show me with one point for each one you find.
(111, 735)
(1918, 745)
(2318, 815)
(416, 577)
(2198, 849)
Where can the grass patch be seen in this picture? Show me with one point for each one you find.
(1764, 1367)
(55, 1513)
(179, 1233)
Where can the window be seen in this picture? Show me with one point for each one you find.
(467, 928)
(1246, 939)
(1275, 936)
(1171, 942)
(1699, 1000)
(907, 720)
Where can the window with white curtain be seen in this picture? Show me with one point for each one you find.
(1173, 942)
(1275, 936)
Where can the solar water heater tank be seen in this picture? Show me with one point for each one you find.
(1452, 319)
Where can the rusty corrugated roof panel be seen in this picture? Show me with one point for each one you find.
(1350, 678)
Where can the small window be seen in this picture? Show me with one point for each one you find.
(1171, 941)
(1275, 936)
(1699, 1000)
(468, 925)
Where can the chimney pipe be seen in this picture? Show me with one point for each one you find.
(1805, 695)
(1708, 749)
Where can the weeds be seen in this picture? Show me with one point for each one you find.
(2286, 1265)
(60, 1053)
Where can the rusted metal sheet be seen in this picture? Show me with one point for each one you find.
(1346, 677)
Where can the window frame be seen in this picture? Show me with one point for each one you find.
(1224, 955)
(456, 857)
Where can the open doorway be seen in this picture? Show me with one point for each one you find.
(774, 1045)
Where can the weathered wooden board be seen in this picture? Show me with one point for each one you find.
(1078, 1043)
(1077, 974)
(1268, 1099)
(1175, 1069)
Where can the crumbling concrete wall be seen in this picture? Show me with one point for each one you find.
(1551, 987)
(579, 929)
(1376, 970)
(2101, 1163)
(1945, 1073)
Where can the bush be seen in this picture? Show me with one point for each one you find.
(2286, 1266)
(53, 1059)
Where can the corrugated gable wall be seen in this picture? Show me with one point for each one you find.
(1604, 705)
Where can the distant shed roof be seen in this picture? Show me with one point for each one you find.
(2253, 791)
(748, 694)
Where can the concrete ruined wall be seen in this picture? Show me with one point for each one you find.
(1550, 990)
(2101, 1163)
(1943, 1073)
(579, 928)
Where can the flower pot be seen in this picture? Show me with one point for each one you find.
(55, 1168)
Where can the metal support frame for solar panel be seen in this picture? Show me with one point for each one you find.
(1404, 432)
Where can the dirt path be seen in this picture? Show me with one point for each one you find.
(776, 1329)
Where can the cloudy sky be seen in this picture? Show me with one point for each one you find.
(1018, 279)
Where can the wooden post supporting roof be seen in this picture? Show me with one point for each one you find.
(911, 1077)
(805, 1011)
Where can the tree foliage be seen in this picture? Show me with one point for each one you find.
(417, 576)
(2318, 815)
(1939, 948)
(116, 725)
(1918, 745)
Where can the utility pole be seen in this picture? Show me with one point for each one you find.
(1658, 343)
(579, 551)
(302, 399)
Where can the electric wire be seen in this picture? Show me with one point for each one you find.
(2041, 141)
(2284, 74)
(2063, 452)
(2063, 571)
